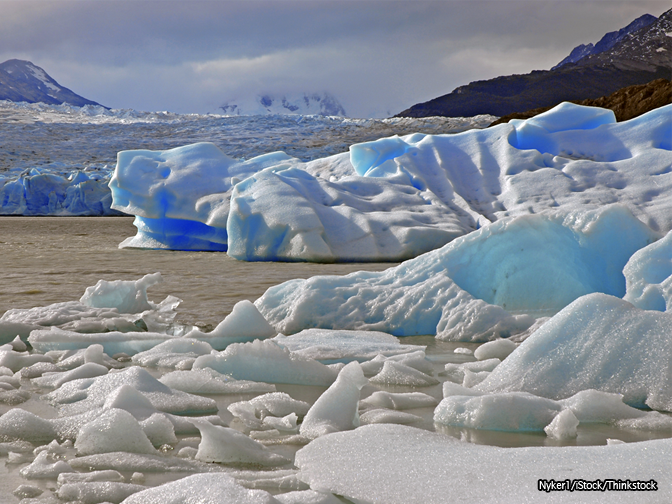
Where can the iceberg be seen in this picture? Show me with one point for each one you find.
(394, 198)
(479, 286)
(598, 342)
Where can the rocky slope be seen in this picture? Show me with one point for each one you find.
(638, 58)
(22, 81)
(626, 103)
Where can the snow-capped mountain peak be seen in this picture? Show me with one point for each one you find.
(323, 104)
(23, 81)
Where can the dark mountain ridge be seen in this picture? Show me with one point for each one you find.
(606, 42)
(22, 81)
(638, 57)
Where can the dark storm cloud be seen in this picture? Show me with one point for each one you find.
(376, 56)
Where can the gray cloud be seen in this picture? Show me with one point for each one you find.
(375, 56)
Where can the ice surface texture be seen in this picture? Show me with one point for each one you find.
(598, 342)
(534, 264)
(363, 466)
(394, 198)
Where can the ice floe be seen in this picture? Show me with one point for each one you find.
(598, 342)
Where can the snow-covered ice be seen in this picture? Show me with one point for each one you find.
(364, 466)
(395, 198)
(598, 342)
(529, 264)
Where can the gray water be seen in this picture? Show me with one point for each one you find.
(52, 259)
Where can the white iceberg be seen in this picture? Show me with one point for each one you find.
(460, 292)
(396, 197)
(598, 342)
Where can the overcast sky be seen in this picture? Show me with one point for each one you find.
(376, 57)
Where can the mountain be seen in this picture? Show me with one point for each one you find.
(322, 104)
(606, 42)
(22, 81)
(626, 103)
(638, 57)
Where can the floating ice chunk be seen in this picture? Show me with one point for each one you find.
(214, 488)
(97, 491)
(244, 323)
(463, 351)
(126, 462)
(38, 369)
(648, 276)
(98, 311)
(459, 291)
(10, 392)
(55, 380)
(173, 353)
(398, 401)
(27, 491)
(266, 361)
(18, 424)
(510, 411)
(18, 345)
(563, 426)
(45, 466)
(276, 404)
(456, 372)
(284, 424)
(114, 431)
(18, 360)
(329, 346)
(45, 340)
(124, 295)
(228, 446)
(83, 395)
(209, 381)
(337, 408)
(396, 373)
(598, 342)
(497, 349)
(592, 406)
(159, 430)
(442, 466)
(415, 359)
(180, 196)
(93, 353)
(76, 477)
(388, 416)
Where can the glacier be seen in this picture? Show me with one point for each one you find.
(394, 198)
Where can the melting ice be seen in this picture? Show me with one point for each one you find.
(551, 258)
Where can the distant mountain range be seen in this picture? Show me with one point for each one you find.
(322, 104)
(22, 81)
(637, 54)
